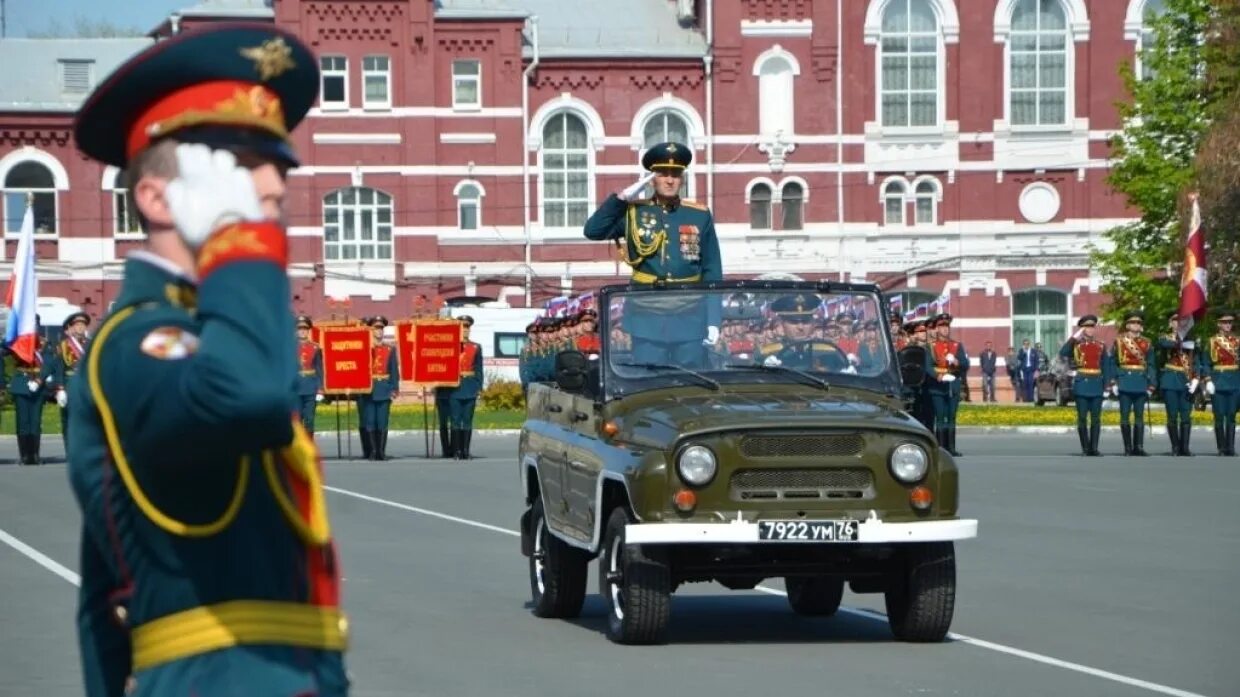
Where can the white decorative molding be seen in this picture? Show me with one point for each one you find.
(418, 112)
(356, 138)
(467, 138)
(697, 127)
(774, 52)
(456, 190)
(1074, 11)
(375, 279)
(1134, 19)
(107, 182)
(1039, 202)
(777, 27)
(27, 153)
(908, 147)
(566, 102)
(1020, 148)
(777, 148)
(944, 11)
(86, 250)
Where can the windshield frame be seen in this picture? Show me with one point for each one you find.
(613, 387)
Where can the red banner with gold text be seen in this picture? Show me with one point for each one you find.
(430, 351)
(346, 359)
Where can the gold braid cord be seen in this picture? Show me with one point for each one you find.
(644, 251)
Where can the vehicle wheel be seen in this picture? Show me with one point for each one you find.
(921, 592)
(817, 596)
(558, 572)
(636, 589)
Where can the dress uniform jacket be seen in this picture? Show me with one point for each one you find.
(1132, 364)
(384, 376)
(309, 368)
(1220, 361)
(1088, 358)
(1180, 366)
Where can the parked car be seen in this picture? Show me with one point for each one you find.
(1055, 384)
(737, 470)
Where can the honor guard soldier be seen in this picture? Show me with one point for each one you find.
(589, 342)
(375, 408)
(1132, 376)
(207, 561)
(64, 364)
(1177, 381)
(923, 407)
(27, 385)
(948, 364)
(1220, 361)
(309, 373)
(798, 348)
(665, 239)
(464, 397)
(1088, 356)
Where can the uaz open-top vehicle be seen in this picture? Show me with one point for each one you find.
(794, 457)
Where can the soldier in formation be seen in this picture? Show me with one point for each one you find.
(917, 331)
(1088, 356)
(948, 367)
(64, 364)
(463, 399)
(27, 382)
(548, 336)
(1220, 364)
(309, 373)
(1132, 376)
(1177, 381)
(374, 408)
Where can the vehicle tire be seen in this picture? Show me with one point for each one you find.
(815, 596)
(558, 572)
(636, 589)
(921, 592)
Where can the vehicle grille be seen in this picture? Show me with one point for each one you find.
(802, 484)
(826, 445)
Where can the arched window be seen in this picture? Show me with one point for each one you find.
(32, 179)
(909, 56)
(565, 171)
(894, 194)
(124, 217)
(760, 207)
(1040, 315)
(775, 70)
(926, 197)
(357, 225)
(1038, 48)
(792, 200)
(1151, 11)
(468, 206)
(663, 126)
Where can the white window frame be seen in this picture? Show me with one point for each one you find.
(1077, 19)
(935, 198)
(1136, 29)
(883, 197)
(457, 104)
(461, 202)
(120, 206)
(588, 150)
(777, 93)
(770, 206)
(940, 77)
(385, 73)
(690, 183)
(53, 191)
(357, 209)
(342, 73)
(783, 184)
(1050, 351)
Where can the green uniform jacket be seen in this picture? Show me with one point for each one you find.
(382, 388)
(1133, 379)
(1220, 364)
(471, 385)
(1084, 385)
(1177, 355)
(181, 405)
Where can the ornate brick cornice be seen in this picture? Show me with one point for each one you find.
(355, 21)
(824, 60)
(465, 44)
(777, 9)
(728, 63)
(35, 136)
(570, 80)
(666, 83)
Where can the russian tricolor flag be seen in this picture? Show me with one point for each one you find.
(22, 332)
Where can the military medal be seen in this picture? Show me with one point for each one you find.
(690, 246)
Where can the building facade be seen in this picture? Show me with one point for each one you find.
(937, 147)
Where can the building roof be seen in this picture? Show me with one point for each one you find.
(44, 84)
(591, 28)
(229, 8)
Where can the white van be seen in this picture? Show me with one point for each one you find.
(500, 330)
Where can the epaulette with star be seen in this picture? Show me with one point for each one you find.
(690, 203)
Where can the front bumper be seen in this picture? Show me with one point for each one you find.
(869, 531)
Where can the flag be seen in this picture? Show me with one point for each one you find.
(21, 333)
(1193, 281)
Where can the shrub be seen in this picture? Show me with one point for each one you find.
(502, 395)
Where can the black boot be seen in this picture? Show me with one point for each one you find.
(1126, 431)
(1138, 441)
(1186, 430)
(1231, 440)
(375, 452)
(1082, 434)
(383, 444)
(23, 457)
(1219, 440)
(466, 437)
(445, 440)
(951, 442)
(35, 442)
(1095, 433)
(1173, 432)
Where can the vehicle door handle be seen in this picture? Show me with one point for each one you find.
(580, 416)
(555, 408)
(578, 466)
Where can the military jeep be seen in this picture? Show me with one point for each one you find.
(675, 460)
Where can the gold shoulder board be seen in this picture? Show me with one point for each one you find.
(690, 203)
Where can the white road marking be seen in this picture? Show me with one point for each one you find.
(857, 612)
(41, 559)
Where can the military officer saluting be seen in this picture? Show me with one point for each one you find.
(798, 348)
(1088, 356)
(948, 364)
(664, 239)
(309, 372)
(1132, 376)
(64, 363)
(1177, 381)
(1221, 366)
(207, 561)
(375, 407)
(463, 398)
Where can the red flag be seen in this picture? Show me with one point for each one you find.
(1193, 281)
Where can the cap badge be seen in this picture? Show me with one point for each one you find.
(271, 59)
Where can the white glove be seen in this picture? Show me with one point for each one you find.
(1190, 345)
(635, 188)
(712, 336)
(772, 361)
(850, 370)
(1071, 373)
(1192, 386)
(951, 358)
(62, 399)
(1210, 388)
(33, 385)
(947, 377)
(852, 358)
(210, 191)
(1077, 334)
(318, 397)
(1114, 390)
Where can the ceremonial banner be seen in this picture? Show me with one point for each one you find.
(316, 331)
(1193, 281)
(346, 359)
(430, 352)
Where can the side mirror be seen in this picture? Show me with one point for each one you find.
(912, 366)
(571, 368)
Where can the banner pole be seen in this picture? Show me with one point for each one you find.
(349, 423)
(338, 448)
(426, 425)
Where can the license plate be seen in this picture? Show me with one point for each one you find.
(808, 530)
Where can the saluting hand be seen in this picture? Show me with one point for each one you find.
(635, 188)
(209, 192)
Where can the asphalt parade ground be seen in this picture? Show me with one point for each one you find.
(1090, 576)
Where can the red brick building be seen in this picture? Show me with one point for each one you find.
(934, 146)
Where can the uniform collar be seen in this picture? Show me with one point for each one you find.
(669, 204)
(151, 278)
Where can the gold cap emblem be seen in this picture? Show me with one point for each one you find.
(272, 59)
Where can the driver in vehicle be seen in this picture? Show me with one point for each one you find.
(798, 348)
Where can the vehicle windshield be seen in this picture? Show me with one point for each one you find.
(659, 338)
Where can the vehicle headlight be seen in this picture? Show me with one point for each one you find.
(696, 465)
(909, 462)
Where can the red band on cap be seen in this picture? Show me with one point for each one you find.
(222, 102)
(246, 241)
